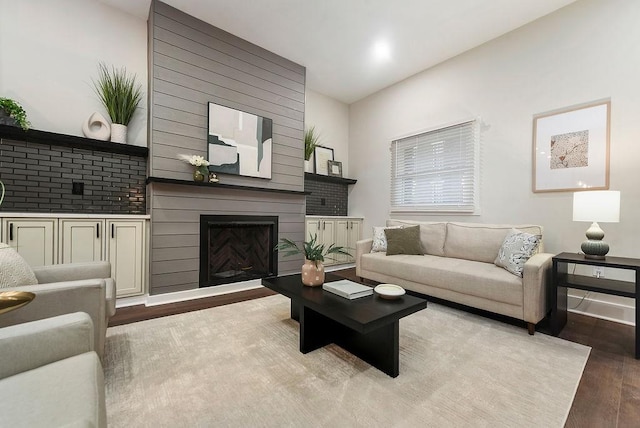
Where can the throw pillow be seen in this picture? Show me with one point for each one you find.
(516, 249)
(14, 270)
(404, 241)
(380, 239)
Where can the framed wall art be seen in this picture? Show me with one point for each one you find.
(239, 142)
(322, 156)
(335, 168)
(571, 148)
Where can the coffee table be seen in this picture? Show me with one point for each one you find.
(367, 327)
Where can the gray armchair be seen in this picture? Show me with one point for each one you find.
(49, 375)
(66, 288)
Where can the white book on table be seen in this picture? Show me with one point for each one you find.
(347, 289)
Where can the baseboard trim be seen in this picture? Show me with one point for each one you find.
(593, 307)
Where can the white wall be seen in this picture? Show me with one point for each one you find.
(50, 50)
(586, 51)
(331, 119)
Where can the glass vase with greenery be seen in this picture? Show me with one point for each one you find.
(118, 92)
(15, 112)
(311, 141)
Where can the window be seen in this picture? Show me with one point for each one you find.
(436, 170)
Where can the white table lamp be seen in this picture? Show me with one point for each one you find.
(596, 206)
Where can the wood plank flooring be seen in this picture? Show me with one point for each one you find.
(609, 391)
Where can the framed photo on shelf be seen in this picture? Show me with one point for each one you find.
(571, 148)
(335, 168)
(322, 156)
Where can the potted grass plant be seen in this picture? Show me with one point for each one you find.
(314, 255)
(120, 96)
(311, 141)
(12, 114)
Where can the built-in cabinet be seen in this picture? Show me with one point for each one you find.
(341, 231)
(46, 241)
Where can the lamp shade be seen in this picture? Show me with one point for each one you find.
(597, 205)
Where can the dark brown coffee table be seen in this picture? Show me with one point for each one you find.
(367, 327)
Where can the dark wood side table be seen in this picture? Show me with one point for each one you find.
(562, 280)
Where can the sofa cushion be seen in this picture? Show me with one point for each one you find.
(432, 234)
(68, 392)
(517, 248)
(405, 240)
(473, 278)
(480, 242)
(14, 270)
(380, 239)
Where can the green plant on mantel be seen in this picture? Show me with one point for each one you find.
(311, 140)
(311, 249)
(15, 111)
(118, 92)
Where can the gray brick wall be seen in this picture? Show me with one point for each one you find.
(326, 198)
(39, 178)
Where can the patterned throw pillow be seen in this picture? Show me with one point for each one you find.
(380, 239)
(14, 270)
(516, 249)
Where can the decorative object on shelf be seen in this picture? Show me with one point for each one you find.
(120, 96)
(334, 168)
(595, 206)
(201, 172)
(240, 143)
(213, 178)
(2, 194)
(571, 148)
(12, 114)
(322, 156)
(97, 127)
(389, 291)
(311, 141)
(314, 254)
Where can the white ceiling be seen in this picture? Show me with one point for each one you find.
(333, 39)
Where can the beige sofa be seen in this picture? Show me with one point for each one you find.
(458, 266)
(50, 375)
(65, 288)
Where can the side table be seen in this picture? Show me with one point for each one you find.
(562, 280)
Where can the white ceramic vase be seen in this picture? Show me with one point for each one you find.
(96, 127)
(308, 166)
(118, 133)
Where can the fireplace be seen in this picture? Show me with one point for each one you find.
(236, 248)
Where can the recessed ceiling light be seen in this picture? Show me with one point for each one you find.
(381, 50)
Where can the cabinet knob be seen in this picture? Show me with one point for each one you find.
(98, 230)
(10, 231)
(113, 232)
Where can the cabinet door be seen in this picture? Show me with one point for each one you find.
(327, 236)
(354, 235)
(126, 252)
(81, 240)
(342, 239)
(33, 239)
(313, 228)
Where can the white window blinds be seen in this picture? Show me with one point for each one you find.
(436, 170)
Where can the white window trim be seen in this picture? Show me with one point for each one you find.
(477, 177)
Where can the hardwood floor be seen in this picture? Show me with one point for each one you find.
(609, 391)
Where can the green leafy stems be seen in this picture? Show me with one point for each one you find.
(118, 92)
(311, 141)
(311, 249)
(15, 111)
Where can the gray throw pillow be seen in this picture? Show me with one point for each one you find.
(516, 249)
(404, 241)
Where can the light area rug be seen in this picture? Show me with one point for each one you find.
(239, 366)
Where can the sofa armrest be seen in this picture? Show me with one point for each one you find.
(72, 271)
(59, 298)
(536, 282)
(34, 344)
(362, 247)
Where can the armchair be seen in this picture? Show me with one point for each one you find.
(66, 288)
(50, 375)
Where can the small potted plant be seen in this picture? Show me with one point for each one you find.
(311, 141)
(12, 113)
(314, 254)
(120, 96)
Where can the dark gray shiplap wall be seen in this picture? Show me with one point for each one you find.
(192, 63)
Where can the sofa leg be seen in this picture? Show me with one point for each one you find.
(531, 328)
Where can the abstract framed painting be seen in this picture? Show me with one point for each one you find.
(322, 155)
(239, 142)
(571, 148)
